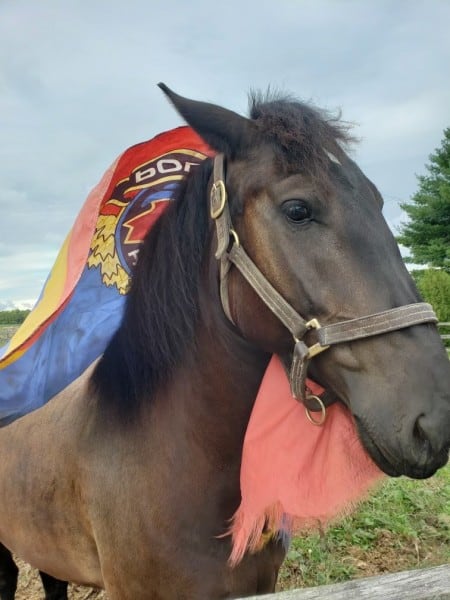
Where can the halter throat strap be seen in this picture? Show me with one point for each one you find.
(230, 252)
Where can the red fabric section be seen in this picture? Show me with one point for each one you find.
(82, 230)
(293, 473)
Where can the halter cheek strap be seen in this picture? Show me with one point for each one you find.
(230, 252)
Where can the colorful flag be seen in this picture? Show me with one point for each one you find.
(82, 302)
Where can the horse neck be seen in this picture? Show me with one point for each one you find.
(200, 416)
(228, 377)
(213, 392)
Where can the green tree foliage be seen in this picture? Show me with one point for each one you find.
(13, 317)
(427, 233)
(434, 285)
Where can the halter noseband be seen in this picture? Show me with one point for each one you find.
(229, 251)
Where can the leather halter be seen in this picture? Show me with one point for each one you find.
(229, 251)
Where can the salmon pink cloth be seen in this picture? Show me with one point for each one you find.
(293, 473)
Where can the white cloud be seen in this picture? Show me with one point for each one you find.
(77, 86)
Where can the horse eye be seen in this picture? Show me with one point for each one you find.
(297, 210)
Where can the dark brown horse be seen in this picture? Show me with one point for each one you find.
(126, 479)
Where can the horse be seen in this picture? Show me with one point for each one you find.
(126, 480)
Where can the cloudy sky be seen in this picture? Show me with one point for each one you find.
(78, 86)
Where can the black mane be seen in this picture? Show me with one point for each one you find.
(161, 314)
(162, 306)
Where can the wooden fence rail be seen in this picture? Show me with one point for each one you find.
(444, 336)
(421, 584)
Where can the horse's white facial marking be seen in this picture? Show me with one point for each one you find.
(332, 157)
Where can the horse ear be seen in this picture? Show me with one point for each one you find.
(222, 129)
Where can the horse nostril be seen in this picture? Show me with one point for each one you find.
(426, 431)
(418, 431)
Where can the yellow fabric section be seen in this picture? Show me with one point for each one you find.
(47, 305)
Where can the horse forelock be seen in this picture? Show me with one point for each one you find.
(303, 134)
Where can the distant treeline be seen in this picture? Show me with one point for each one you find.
(13, 317)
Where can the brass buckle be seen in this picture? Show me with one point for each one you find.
(218, 186)
(323, 411)
(317, 348)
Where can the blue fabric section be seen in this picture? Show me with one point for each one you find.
(166, 192)
(76, 337)
(67, 347)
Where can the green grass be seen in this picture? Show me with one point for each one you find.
(6, 332)
(405, 525)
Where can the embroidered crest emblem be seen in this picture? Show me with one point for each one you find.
(135, 203)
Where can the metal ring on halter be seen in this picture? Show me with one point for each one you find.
(323, 411)
(235, 236)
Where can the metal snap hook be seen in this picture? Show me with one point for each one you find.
(323, 411)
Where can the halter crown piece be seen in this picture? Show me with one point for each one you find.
(230, 252)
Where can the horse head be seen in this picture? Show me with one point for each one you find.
(312, 223)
